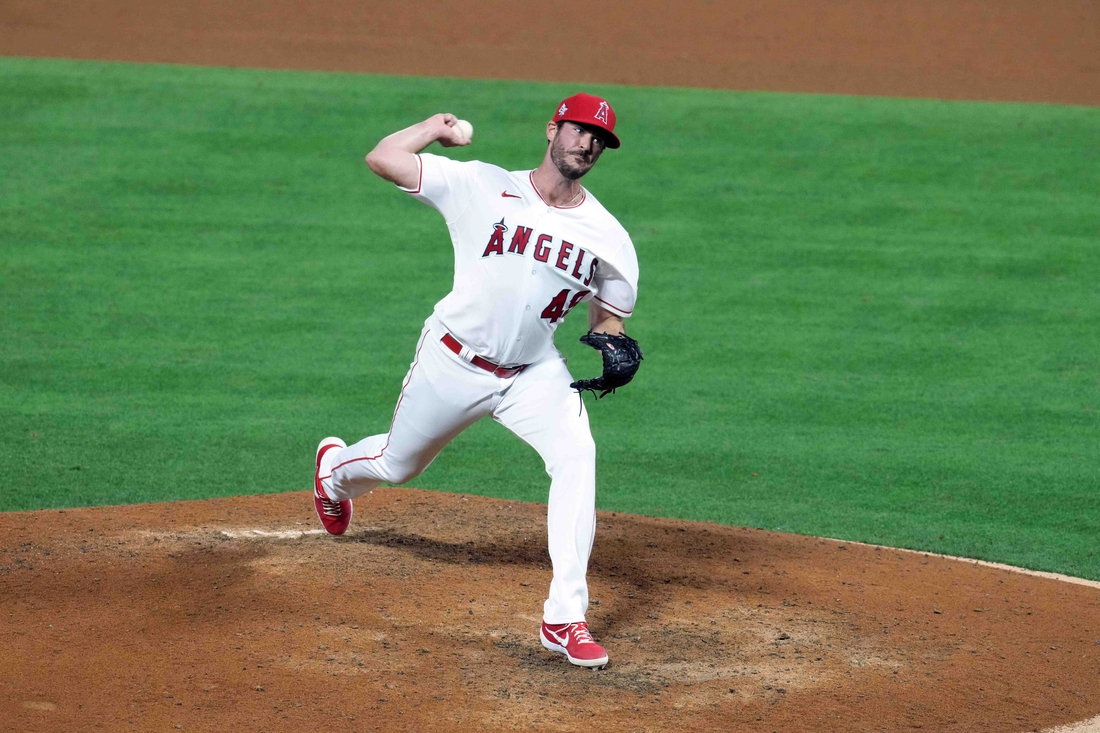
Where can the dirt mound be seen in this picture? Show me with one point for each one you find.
(240, 613)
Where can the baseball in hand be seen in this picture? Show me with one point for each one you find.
(464, 128)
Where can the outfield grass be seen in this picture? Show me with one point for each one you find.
(863, 318)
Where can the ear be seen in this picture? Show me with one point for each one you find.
(551, 131)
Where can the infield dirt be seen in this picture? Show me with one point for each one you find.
(239, 614)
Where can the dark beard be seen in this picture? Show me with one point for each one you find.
(563, 164)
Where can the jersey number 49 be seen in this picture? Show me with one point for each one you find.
(557, 308)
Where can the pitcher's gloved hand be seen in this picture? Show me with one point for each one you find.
(621, 358)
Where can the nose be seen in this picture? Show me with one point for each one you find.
(586, 141)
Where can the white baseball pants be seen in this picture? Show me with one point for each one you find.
(442, 396)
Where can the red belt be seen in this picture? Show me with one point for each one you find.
(504, 373)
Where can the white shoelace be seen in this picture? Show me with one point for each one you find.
(332, 508)
(580, 631)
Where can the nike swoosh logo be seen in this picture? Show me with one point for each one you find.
(506, 195)
(560, 639)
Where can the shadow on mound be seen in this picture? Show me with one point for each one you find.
(468, 552)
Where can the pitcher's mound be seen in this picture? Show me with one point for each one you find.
(239, 614)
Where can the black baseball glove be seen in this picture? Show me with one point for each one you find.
(621, 359)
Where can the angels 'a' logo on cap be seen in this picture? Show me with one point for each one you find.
(586, 109)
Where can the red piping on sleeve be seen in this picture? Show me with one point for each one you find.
(419, 175)
(621, 310)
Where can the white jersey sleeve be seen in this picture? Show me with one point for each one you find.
(616, 281)
(444, 184)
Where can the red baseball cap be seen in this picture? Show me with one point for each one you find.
(589, 110)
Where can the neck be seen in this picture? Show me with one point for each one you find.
(555, 188)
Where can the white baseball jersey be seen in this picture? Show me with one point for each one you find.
(522, 264)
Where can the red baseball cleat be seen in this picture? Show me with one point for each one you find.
(575, 642)
(335, 515)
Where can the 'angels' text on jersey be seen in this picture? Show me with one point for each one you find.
(522, 264)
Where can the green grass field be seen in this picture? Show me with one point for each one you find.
(873, 319)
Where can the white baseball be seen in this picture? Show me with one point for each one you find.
(465, 129)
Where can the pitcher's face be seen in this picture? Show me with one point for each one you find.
(574, 148)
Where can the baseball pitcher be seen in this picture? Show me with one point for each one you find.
(529, 247)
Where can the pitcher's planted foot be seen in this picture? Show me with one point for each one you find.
(575, 642)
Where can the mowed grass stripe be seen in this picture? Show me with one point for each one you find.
(864, 318)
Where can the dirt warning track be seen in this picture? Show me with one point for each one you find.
(238, 613)
(1017, 50)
